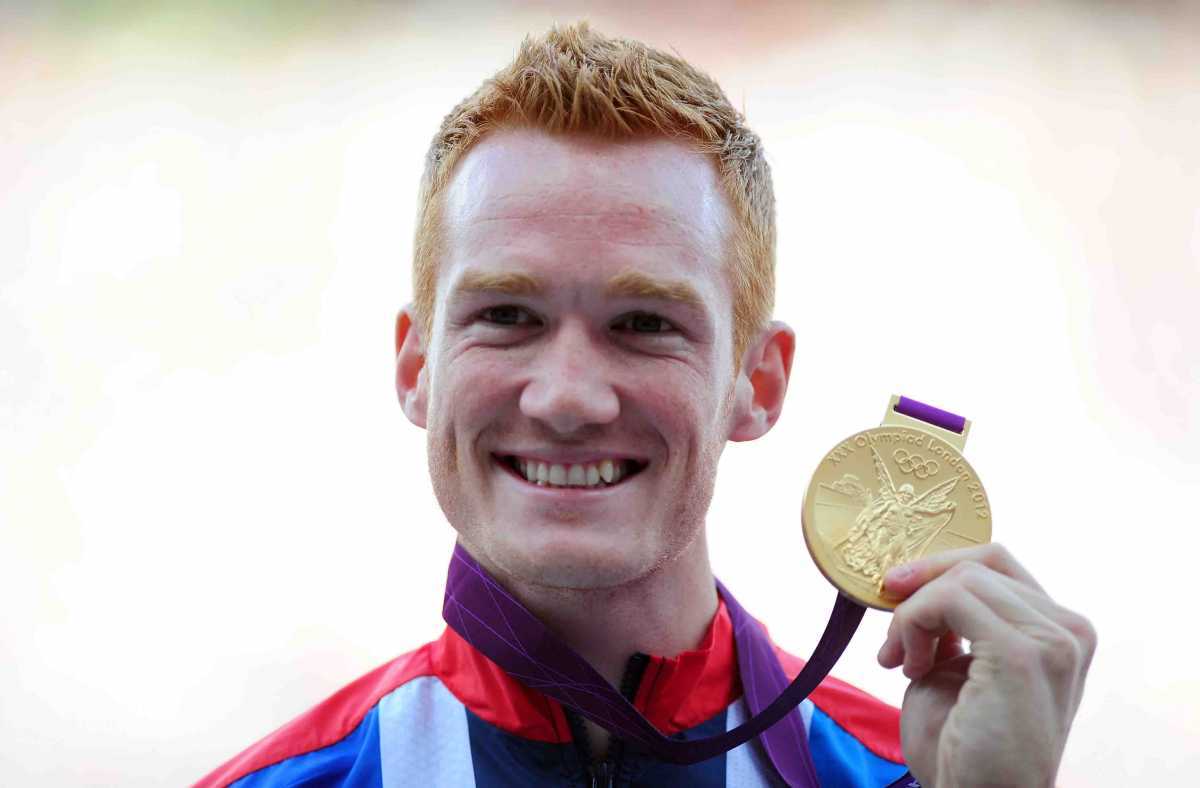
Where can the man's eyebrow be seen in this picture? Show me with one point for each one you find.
(632, 283)
(629, 283)
(502, 282)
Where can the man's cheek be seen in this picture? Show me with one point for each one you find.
(484, 381)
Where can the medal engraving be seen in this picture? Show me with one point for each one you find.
(887, 496)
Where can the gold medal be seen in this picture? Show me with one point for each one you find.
(891, 494)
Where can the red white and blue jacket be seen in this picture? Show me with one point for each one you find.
(445, 715)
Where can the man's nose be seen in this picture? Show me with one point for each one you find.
(571, 387)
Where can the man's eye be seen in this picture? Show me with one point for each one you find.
(644, 323)
(507, 315)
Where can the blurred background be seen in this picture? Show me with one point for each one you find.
(213, 513)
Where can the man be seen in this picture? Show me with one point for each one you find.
(593, 282)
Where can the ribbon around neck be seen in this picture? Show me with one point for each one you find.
(491, 620)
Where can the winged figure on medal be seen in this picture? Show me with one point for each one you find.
(894, 526)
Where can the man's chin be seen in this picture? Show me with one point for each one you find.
(570, 564)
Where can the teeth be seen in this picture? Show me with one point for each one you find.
(605, 472)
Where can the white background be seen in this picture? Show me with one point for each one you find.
(213, 513)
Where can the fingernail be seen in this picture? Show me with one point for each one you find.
(898, 574)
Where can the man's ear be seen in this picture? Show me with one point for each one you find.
(762, 383)
(412, 379)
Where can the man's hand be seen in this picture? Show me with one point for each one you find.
(998, 715)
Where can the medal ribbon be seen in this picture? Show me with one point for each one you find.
(489, 618)
(502, 629)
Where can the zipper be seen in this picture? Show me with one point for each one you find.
(605, 773)
(602, 777)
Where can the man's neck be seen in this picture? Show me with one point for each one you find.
(664, 613)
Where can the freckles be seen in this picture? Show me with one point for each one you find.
(490, 380)
(475, 395)
(442, 453)
(474, 383)
(680, 400)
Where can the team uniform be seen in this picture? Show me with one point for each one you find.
(445, 715)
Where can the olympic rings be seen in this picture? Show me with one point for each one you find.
(915, 464)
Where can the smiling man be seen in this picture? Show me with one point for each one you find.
(593, 282)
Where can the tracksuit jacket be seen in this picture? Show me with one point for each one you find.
(445, 715)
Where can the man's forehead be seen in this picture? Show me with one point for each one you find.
(640, 192)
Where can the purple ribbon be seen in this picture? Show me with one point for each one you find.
(489, 618)
(936, 416)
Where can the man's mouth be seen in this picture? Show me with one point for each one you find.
(596, 475)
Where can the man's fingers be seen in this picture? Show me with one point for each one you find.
(983, 578)
(975, 601)
(920, 650)
(901, 581)
(937, 609)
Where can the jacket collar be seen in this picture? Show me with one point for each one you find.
(675, 693)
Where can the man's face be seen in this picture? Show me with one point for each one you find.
(582, 327)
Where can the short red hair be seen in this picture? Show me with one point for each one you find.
(574, 79)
